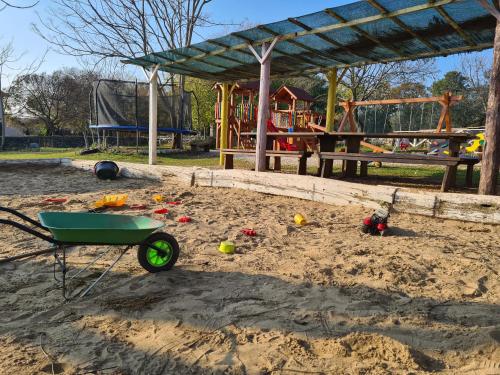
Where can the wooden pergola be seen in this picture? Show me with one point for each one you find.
(356, 34)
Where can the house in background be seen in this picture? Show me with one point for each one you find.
(13, 132)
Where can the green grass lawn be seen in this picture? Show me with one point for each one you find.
(124, 154)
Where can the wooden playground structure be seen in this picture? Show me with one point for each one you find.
(290, 111)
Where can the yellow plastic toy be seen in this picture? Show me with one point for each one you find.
(158, 198)
(299, 219)
(227, 247)
(476, 144)
(117, 200)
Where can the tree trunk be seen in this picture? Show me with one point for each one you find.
(491, 154)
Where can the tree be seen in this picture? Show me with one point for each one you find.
(4, 4)
(203, 99)
(491, 157)
(371, 81)
(110, 29)
(477, 71)
(469, 111)
(6, 57)
(60, 100)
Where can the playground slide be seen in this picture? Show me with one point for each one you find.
(284, 145)
(375, 148)
(476, 144)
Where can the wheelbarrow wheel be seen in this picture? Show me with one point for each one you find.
(153, 260)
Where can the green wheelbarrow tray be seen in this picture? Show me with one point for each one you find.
(99, 229)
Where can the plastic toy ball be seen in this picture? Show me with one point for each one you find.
(299, 219)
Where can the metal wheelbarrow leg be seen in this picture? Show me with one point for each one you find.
(65, 280)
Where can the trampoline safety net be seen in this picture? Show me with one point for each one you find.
(125, 103)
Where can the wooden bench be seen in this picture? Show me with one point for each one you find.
(300, 155)
(367, 157)
(470, 163)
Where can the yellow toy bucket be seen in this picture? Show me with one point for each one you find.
(227, 247)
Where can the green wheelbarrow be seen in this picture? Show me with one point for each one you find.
(157, 251)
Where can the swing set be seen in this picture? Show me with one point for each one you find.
(446, 101)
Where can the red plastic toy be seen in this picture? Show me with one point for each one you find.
(184, 219)
(174, 203)
(161, 211)
(249, 232)
(55, 200)
(377, 223)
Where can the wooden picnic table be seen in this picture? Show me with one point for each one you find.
(328, 140)
(353, 145)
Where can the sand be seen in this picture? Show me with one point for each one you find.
(318, 299)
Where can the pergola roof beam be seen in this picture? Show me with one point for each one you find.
(456, 26)
(275, 63)
(356, 22)
(329, 40)
(296, 57)
(362, 32)
(301, 45)
(400, 23)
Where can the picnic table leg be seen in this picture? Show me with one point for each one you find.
(269, 146)
(363, 171)
(228, 161)
(277, 163)
(469, 175)
(302, 168)
(447, 178)
(352, 145)
(326, 144)
(454, 151)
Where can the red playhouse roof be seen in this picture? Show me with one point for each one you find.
(295, 93)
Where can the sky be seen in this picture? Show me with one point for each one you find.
(16, 25)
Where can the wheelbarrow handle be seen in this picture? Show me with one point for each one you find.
(24, 217)
(24, 228)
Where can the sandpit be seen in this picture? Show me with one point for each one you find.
(317, 299)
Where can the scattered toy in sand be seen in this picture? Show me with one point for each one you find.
(117, 200)
(300, 219)
(55, 200)
(106, 170)
(227, 247)
(161, 211)
(174, 203)
(377, 223)
(249, 232)
(158, 198)
(184, 219)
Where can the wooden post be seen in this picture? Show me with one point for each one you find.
(263, 110)
(491, 154)
(224, 121)
(332, 99)
(153, 115)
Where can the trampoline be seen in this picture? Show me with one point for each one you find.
(122, 107)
